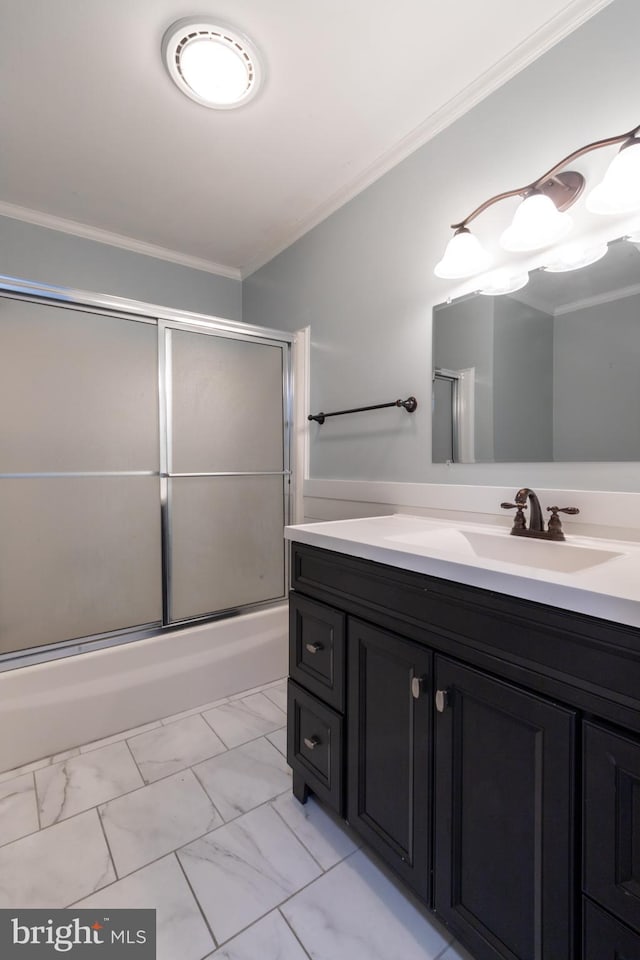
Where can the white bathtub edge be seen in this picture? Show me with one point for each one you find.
(51, 707)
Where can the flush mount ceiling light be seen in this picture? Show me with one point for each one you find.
(212, 64)
(540, 220)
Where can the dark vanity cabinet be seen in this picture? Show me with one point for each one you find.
(486, 748)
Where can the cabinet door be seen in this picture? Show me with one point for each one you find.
(605, 938)
(389, 707)
(612, 822)
(504, 799)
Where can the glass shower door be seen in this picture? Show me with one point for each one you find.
(80, 549)
(226, 471)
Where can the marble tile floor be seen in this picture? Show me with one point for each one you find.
(193, 816)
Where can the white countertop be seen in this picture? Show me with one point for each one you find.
(601, 579)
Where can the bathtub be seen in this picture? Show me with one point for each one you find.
(50, 707)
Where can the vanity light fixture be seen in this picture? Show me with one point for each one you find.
(212, 64)
(540, 220)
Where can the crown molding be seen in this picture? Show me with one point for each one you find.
(86, 232)
(556, 29)
(598, 299)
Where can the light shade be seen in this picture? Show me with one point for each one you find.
(573, 256)
(213, 65)
(503, 281)
(536, 223)
(619, 191)
(464, 257)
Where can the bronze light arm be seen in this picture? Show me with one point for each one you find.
(563, 188)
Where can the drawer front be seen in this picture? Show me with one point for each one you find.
(605, 938)
(612, 822)
(316, 649)
(314, 745)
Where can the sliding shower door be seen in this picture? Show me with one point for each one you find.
(227, 471)
(144, 472)
(80, 550)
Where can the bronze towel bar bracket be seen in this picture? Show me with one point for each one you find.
(410, 404)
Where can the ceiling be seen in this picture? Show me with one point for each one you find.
(97, 140)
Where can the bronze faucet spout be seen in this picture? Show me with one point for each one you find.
(535, 516)
(536, 523)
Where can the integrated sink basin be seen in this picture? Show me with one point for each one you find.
(561, 557)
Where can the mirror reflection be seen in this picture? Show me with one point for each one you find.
(548, 373)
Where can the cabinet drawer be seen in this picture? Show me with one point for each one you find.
(605, 938)
(316, 649)
(612, 822)
(314, 745)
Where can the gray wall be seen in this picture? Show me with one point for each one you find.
(463, 336)
(48, 256)
(597, 387)
(363, 279)
(523, 382)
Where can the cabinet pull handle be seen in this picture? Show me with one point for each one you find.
(417, 686)
(311, 742)
(442, 700)
(314, 647)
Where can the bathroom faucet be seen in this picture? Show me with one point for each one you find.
(536, 523)
(535, 516)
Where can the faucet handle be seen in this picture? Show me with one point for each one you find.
(519, 523)
(554, 526)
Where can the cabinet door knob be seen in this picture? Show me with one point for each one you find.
(311, 742)
(314, 647)
(417, 686)
(442, 700)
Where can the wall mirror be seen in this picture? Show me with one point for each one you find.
(548, 373)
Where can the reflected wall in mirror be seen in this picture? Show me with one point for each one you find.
(548, 373)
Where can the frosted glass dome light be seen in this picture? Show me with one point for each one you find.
(503, 281)
(536, 223)
(213, 65)
(619, 190)
(463, 257)
(574, 256)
